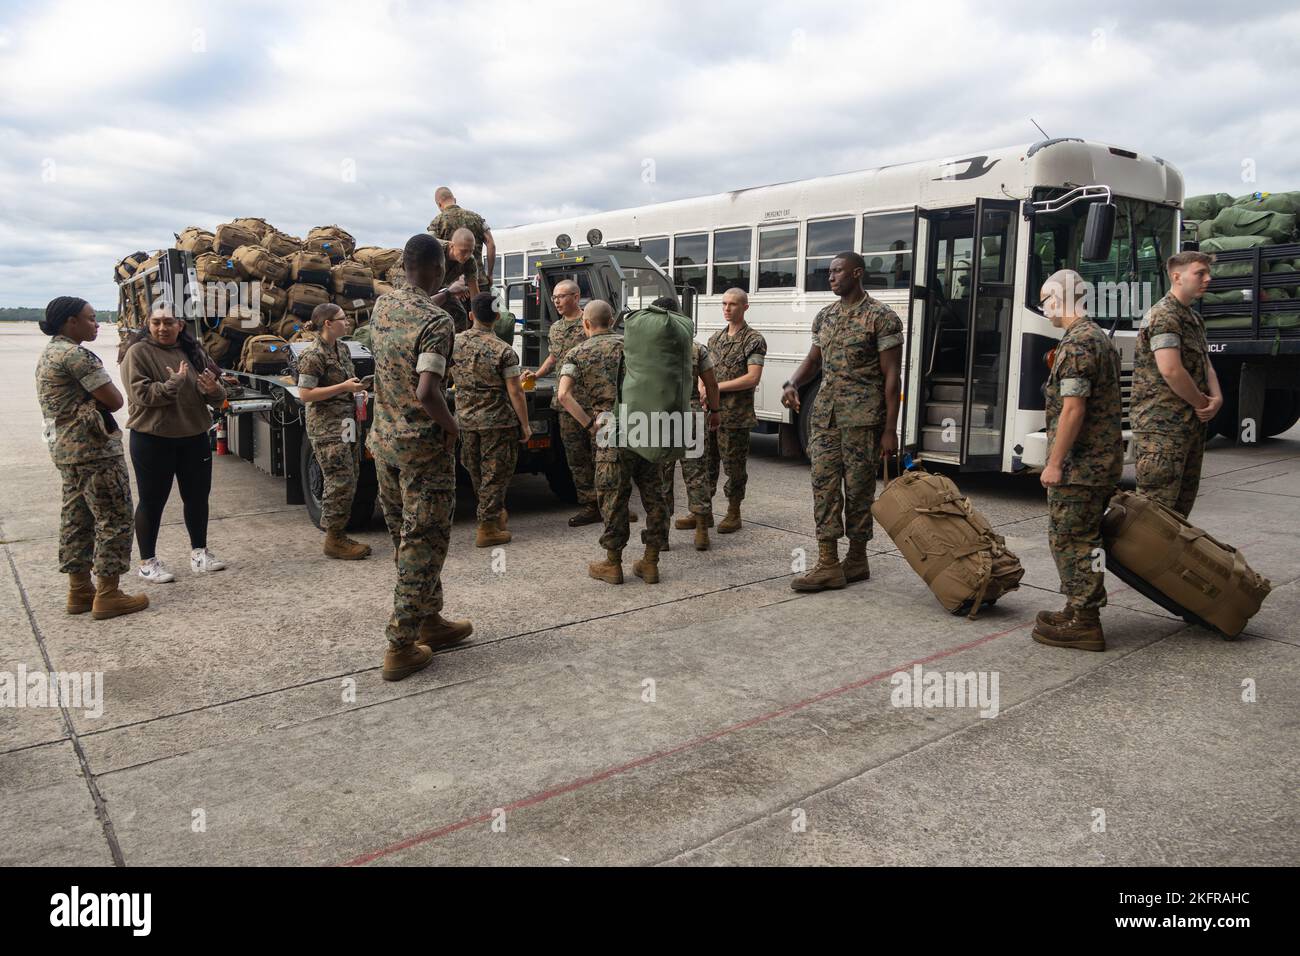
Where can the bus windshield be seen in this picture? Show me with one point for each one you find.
(1130, 280)
(643, 286)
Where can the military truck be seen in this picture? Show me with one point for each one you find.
(264, 421)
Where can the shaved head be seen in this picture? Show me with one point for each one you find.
(735, 303)
(1064, 296)
(462, 237)
(442, 194)
(566, 285)
(736, 295)
(598, 314)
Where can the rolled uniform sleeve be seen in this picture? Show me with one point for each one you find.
(1075, 371)
(1163, 329)
(310, 369)
(510, 367)
(816, 330)
(568, 369)
(1165, 340)
(434, 347)
(757, 351)
(889, 332)
(86, 367)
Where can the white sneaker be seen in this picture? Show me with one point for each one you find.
(202, 560)
(153, 570)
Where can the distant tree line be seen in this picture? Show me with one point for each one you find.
(25, 314)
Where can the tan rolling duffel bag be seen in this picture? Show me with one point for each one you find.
(946, 541)
(1156, 552)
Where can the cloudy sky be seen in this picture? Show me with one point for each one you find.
(123, 123)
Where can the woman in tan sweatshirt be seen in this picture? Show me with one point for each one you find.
(171, 388)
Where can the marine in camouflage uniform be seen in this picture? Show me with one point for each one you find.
(489, 427)
(728, 447)
(695, 471)
(417, 474)
(594, 368)
(1170, 438)
(97, 518)
(454, 217)
(332, 430)
(1086, 366)
(848, 415)
(563, 336)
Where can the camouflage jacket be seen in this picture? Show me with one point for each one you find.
(1087, 366)
(732, 357)
(409, 335)
(445, 224)
(851, 339)
(1156, 408)
(320, 366)
(75, 427)
(701, 362)
(594, 367)
(483, 363)
(562, 337)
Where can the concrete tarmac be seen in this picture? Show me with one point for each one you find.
(715, 718)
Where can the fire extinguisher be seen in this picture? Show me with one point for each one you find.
(362, 400)
(221, 436)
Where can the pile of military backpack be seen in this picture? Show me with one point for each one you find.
(260, 283)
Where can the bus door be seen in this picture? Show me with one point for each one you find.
(959, 333)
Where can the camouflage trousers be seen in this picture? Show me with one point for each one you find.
(727, 449)
(338, 468)
(1169, 468)
(844, 465)
(1074, 515)
(418, 501)
(489, 455)
(616, 470)
(580, 454)
(695, 475)
(98, 519)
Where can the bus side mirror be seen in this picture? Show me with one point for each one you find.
(1098, 232)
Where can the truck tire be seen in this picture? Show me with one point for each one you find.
(806, 399)
(1281, 411)
(363, 502)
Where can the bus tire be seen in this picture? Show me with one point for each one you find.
(363, 501)
(1281, 411)
(806, 399)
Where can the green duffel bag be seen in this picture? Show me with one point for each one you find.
(1204, 230)
(504, 328)
(654, 393)
(1271, 202)
(1205, 207)
(1231, 270)
(1240, 221)
(1224, 298)
(362, 335)
(1233, 243)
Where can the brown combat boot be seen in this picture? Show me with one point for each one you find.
(610, 570)
(732, 521)
(589, 514)
(503, 519)
(490, 534)
(437, 632)
(111, 602)
(685, 523)
(400, 663)
(81, 592)
(856, 567)
(647, 569)
(1055, 618)
(1082, 631)
(339, 545)
(828, 574)
(701, 537)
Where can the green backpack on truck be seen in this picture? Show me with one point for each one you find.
(655, 387)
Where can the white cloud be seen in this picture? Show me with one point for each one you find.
(537, 110)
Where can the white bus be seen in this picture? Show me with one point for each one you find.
(958, 247)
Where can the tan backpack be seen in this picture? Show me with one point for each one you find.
(335, 233)
(358, 310)
(128, 266)
(194, 240)
(310, 267)
(259, 227)
(258, 262)
(210, 267)
(377, 259)
(353, 280)
(328, 246)
(946, 541)
(303, 299)
(272, 300)
(216, 345)
(264, 355)
(230, 237)
(280, 244)
(288, 327)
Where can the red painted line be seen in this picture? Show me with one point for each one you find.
(545, 795)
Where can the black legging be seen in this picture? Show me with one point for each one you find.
(157, 461)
